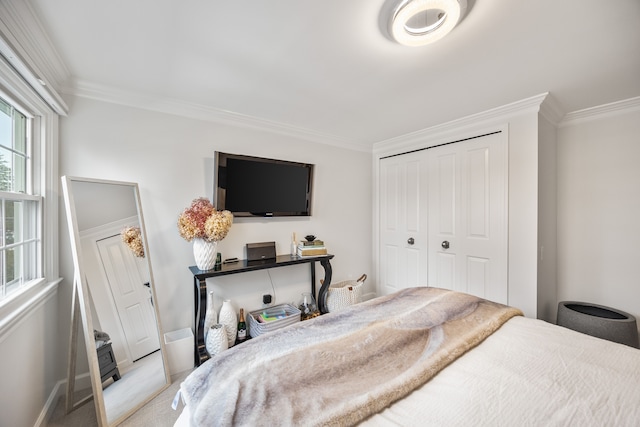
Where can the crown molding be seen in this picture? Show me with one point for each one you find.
(27, 27)
(551, 110)
(462, 125)
(23, 42)
(601, 112)
(176, 107)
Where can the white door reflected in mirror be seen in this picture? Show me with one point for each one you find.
(126, 282)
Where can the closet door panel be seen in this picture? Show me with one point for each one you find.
(403, 226)
(443, 184)
(444, 271)
(467, 217)
(477, 186)
(477, 275)
(443, 217)
(391, 262)
(485, 200)
(443, 212)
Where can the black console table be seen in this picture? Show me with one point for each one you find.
(242, 266)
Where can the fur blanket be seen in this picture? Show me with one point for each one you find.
(339, 368)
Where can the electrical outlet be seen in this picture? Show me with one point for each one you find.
(266, 299)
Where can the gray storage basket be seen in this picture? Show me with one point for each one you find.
(256, 328)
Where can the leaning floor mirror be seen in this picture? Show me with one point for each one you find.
(114, 298)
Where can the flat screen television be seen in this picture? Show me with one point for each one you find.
(259, 187)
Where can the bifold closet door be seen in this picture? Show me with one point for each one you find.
(468, 217)
(403, 222)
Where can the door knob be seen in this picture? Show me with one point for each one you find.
(411, 241)
(445, 245)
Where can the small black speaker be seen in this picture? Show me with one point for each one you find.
(261, 251)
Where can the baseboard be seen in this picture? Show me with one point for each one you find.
(50, 404)
(368, 296)
(83, 381)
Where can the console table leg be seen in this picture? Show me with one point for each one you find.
(313, 279)
(200, 307)
(322, 295)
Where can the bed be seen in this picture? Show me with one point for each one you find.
(421, 356)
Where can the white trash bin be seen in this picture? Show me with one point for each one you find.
(179, 345)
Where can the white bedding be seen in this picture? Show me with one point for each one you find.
(528, 373)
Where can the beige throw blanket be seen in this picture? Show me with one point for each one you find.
(340, 368)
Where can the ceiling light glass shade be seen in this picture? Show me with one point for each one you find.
(420, 22)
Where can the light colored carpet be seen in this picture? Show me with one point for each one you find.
(157, 413)
(143, 378)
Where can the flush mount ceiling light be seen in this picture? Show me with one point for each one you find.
(420, 22)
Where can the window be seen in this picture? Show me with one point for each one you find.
(19, 207)
(29, 181)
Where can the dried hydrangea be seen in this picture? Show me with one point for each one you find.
(217, 225)
(202, 220)
(132, 238)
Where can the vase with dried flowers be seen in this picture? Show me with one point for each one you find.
(203, 224)
(132, 238)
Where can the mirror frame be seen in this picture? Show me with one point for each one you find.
(81, 307)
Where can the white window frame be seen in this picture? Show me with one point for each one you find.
(44, 147)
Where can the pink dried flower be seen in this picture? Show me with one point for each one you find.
(132, 238)
(202, 220)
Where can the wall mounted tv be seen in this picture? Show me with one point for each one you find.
(259, 187)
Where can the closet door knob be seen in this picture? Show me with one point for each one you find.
(445, 245)
(411, 241)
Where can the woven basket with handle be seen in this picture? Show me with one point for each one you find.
(343, 294)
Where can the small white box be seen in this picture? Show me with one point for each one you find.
(180, 348)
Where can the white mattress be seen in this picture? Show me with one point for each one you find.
(527, 373)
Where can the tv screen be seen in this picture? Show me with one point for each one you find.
(255, 186)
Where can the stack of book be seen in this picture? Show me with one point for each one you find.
(313, 248)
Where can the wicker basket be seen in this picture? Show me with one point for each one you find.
(257, 328)
(344, 294)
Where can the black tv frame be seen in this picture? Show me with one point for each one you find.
(219, 196)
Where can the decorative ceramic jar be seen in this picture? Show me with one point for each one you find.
(204, 253)
(216, 341)
(210, 317)
(229, 319)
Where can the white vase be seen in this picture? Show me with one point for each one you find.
(229, 319)
(210, 317)
(216, 341)
(204, 253)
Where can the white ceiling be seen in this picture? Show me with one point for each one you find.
(327, 68)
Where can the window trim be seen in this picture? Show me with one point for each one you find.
(45, 178)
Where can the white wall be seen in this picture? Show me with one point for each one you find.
(171, 158)
(523, 213)
(547, 220)
(28, 364)
(599, 211)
